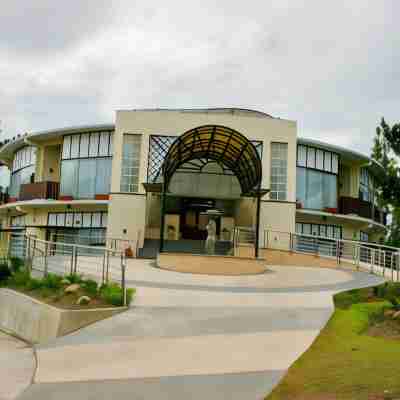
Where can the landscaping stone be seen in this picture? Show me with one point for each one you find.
(83, 300)
(396, 315)
(389, 313)
(72, 288)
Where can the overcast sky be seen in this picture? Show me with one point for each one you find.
(333, 66)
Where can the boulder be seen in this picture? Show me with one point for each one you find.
(83, 300)
(72, 288)
(389, 313)
(65, 281)
(396, 315)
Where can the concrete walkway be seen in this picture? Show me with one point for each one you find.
(195, 336)
(17, 366)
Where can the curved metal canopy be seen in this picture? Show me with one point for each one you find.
(219, 144)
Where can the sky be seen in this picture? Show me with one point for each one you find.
(332, 66)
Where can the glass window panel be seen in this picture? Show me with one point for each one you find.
(298, 228)
(110, 149)
(86, 220)
(77, 219)
(60, 219)
(103, 175)
(335, 163)
(104, 219)
(130, 163)
(329, 231)
(84, 146)
(103, 144)
(310, 157)
(52, 219)
(328, 160)
(315, 230)
(86, 178)
(69, 219)
(319, 162)
(69, 178)
(307, 229)
(74, 146)
(322, 230)
(278, 177)
(96, 220)
(94, 144)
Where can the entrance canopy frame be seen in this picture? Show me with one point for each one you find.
(215, 143)
(225, 146)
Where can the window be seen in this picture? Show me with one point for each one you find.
(78, 219)
(87, 145)
(86, 165)
(316, 190)
(322, 230)
(322, 160)
(301, 155)
(130, 163)
(364, 237)
(279, 154)
(84, 178)
(365, 185)
(23, 169)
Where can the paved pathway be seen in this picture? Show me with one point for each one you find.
(17, 365)
(195, 336)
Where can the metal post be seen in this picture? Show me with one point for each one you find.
(372, 252)
(398, 265)
(103, 267)
(163, 198)
(123, 286)
(391, 266)
(258, 223)
(107, 267)
(384, 262)
(75, 259)
(45, 259)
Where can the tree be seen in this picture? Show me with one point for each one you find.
(385, 152)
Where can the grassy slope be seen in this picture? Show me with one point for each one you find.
(344, 363)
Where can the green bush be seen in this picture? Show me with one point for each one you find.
(16, 264)
(112, 294)
(20, 278)
(34, 284)
(5, 272)
(74, 278)
(52, 281)
(90, 286)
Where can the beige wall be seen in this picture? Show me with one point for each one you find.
(127, 212)
(177, 122)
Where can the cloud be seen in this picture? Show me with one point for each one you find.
(332, 66)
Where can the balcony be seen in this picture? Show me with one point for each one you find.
(39, 190)
(364, 209)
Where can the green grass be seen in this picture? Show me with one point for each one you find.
(343, 362)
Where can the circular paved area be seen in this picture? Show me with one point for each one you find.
(195, 336)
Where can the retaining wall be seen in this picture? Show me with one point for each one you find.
(38, 322)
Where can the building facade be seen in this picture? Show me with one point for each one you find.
(92, 183)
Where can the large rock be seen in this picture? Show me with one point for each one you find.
(72, 288)
(83, 300)
(389, 313)
(396, 315)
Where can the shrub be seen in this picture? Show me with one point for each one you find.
(5, 272)
(52, 281)
(74, 278)
(90, 286)
(16, 264)
(394, 302)
(34, 284)
(112, 294)
(20, 278)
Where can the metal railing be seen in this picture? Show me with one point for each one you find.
(378, 259)
(102, 264)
